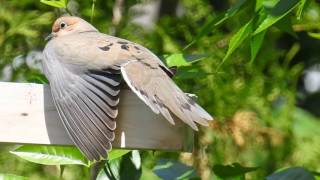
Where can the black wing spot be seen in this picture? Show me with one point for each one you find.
(136, 47)
(142, 92)
(24, 114)
(105, 48)
(122, 42)
(125, 47)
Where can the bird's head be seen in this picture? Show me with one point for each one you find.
(66, 25)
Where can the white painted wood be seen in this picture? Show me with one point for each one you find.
(28, 116)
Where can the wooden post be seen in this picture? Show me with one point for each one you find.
(28, 116)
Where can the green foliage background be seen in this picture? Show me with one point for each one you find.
(255, 56)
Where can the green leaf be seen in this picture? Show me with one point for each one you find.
(12, 177)
(117, 153)
(51, 155)
(314, 35)
(169, 169)
(305, 125)
(182, 59)
(131, 166)
(281, 9)
(238, 38)
(255, 44)
(285, 25)
(188, 72)
(301, 8)
(291, 173)
(215, 22)
(283, 6)
(114, 167)
(148, 174)
(37, 78)
(126, 167)
(54, 3)
(306, 134)
(269, 4)
(259, 5)
(231, 12)
(234, 170)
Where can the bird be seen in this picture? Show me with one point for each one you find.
(85, 69)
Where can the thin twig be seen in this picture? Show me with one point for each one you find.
(92, 10)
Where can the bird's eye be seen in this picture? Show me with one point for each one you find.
(63, 25)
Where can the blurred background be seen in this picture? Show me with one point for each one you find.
(266, 103)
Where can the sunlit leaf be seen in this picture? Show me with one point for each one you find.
(148, 174)
(305, 124)
(234, 170)
(169, 169)
(182, 59)
(255, 44)
(281, 9)
(37, 78)
(306, 135)
(301, 8)
(55, 3)
(238, 38)
(136, 159)
(314, 35)
(116, 153)
(51, 155)
(259, 4)
(292, 173)
(269, 4)
(114, 168)
(12, 177)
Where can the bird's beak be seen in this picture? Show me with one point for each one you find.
(50, 36)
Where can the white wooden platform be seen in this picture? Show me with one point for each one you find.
(28, 116)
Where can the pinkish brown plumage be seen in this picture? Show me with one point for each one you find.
(85, 68)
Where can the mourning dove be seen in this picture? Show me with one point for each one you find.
(85, 67)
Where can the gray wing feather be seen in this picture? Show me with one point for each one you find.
(86, 102)
(161, 94)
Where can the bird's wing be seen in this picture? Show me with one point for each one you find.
(86, 101)
(161, 94)
(149, 78)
